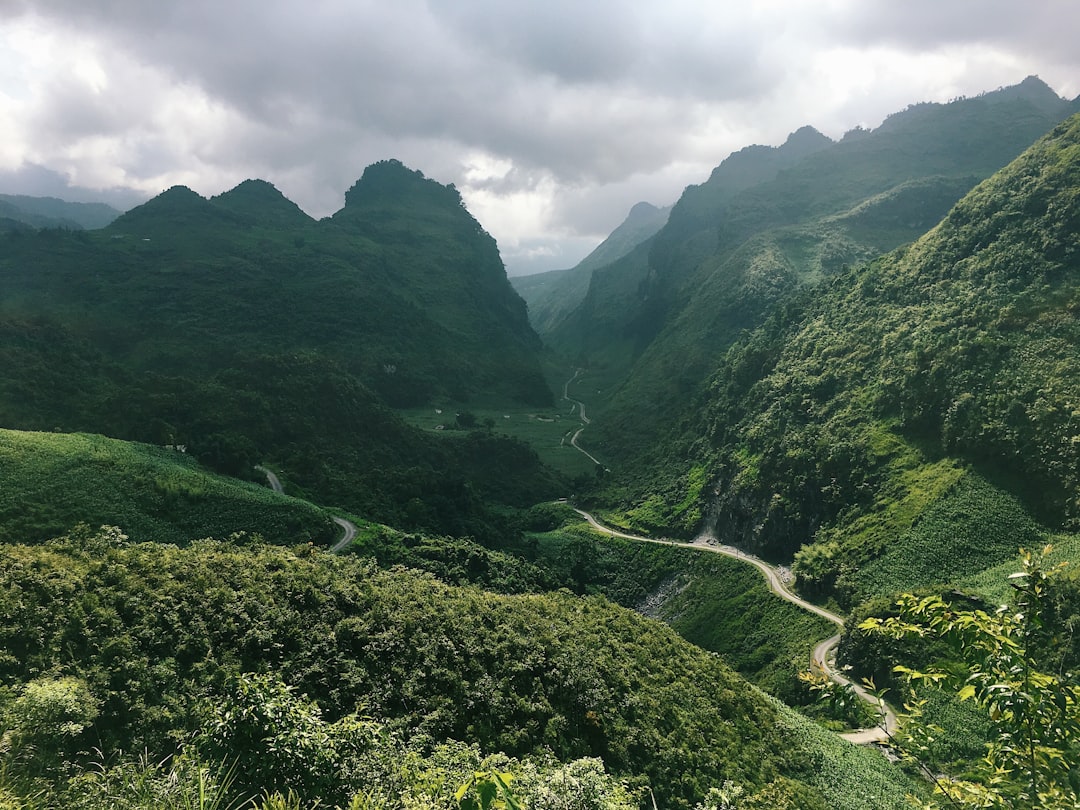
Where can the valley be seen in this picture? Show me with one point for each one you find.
(337, 492)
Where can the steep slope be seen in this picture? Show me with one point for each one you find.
(940, 377)
(621, 305)
(553, 295)
(724, 260)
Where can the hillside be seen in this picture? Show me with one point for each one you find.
(51, 481)
(934, 387)
(770, 223)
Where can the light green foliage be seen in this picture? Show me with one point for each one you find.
(280, 741)
(971, 526)
(42, 731)
(1012, 671)
(51, 481)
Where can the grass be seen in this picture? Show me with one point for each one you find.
(51, 481)
(972, 527)
(993, 584)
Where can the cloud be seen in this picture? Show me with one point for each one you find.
(573, 111)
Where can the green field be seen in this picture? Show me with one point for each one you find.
(547, 430)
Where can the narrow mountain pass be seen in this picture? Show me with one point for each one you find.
(823, 654)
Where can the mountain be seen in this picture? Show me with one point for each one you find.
(921, 407)
(249, 332)
(772, 223)
(49, 212)
(551, 296)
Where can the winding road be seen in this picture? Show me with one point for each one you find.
(823, 655)
(577, 403)
(348, 528)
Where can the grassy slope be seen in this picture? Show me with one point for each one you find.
(50, 481)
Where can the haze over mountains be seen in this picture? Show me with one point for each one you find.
(858, 358)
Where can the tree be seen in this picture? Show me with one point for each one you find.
(1012, 667)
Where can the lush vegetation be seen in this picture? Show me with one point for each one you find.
(140, 635)
(893, 423)
(918, 398)
(769, 223)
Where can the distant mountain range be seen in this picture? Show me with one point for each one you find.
(19, 211)
(553, 295)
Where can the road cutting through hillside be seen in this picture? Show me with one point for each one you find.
(823, 652)
(348, 528)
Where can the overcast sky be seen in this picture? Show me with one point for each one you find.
(552, 118)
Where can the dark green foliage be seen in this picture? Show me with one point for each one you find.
(770, 222)
(246, 331)
(324, 432)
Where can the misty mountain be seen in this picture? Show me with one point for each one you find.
(49, 212)
(551, 296)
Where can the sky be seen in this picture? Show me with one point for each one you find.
(551, 118)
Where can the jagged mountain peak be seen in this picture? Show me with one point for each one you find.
(391, 181)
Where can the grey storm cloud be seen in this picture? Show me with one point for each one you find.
(576, 109)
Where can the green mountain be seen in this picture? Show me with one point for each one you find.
(922, 406)
(553, 295)
(49, 212)
(770, 223)
(249, 332)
